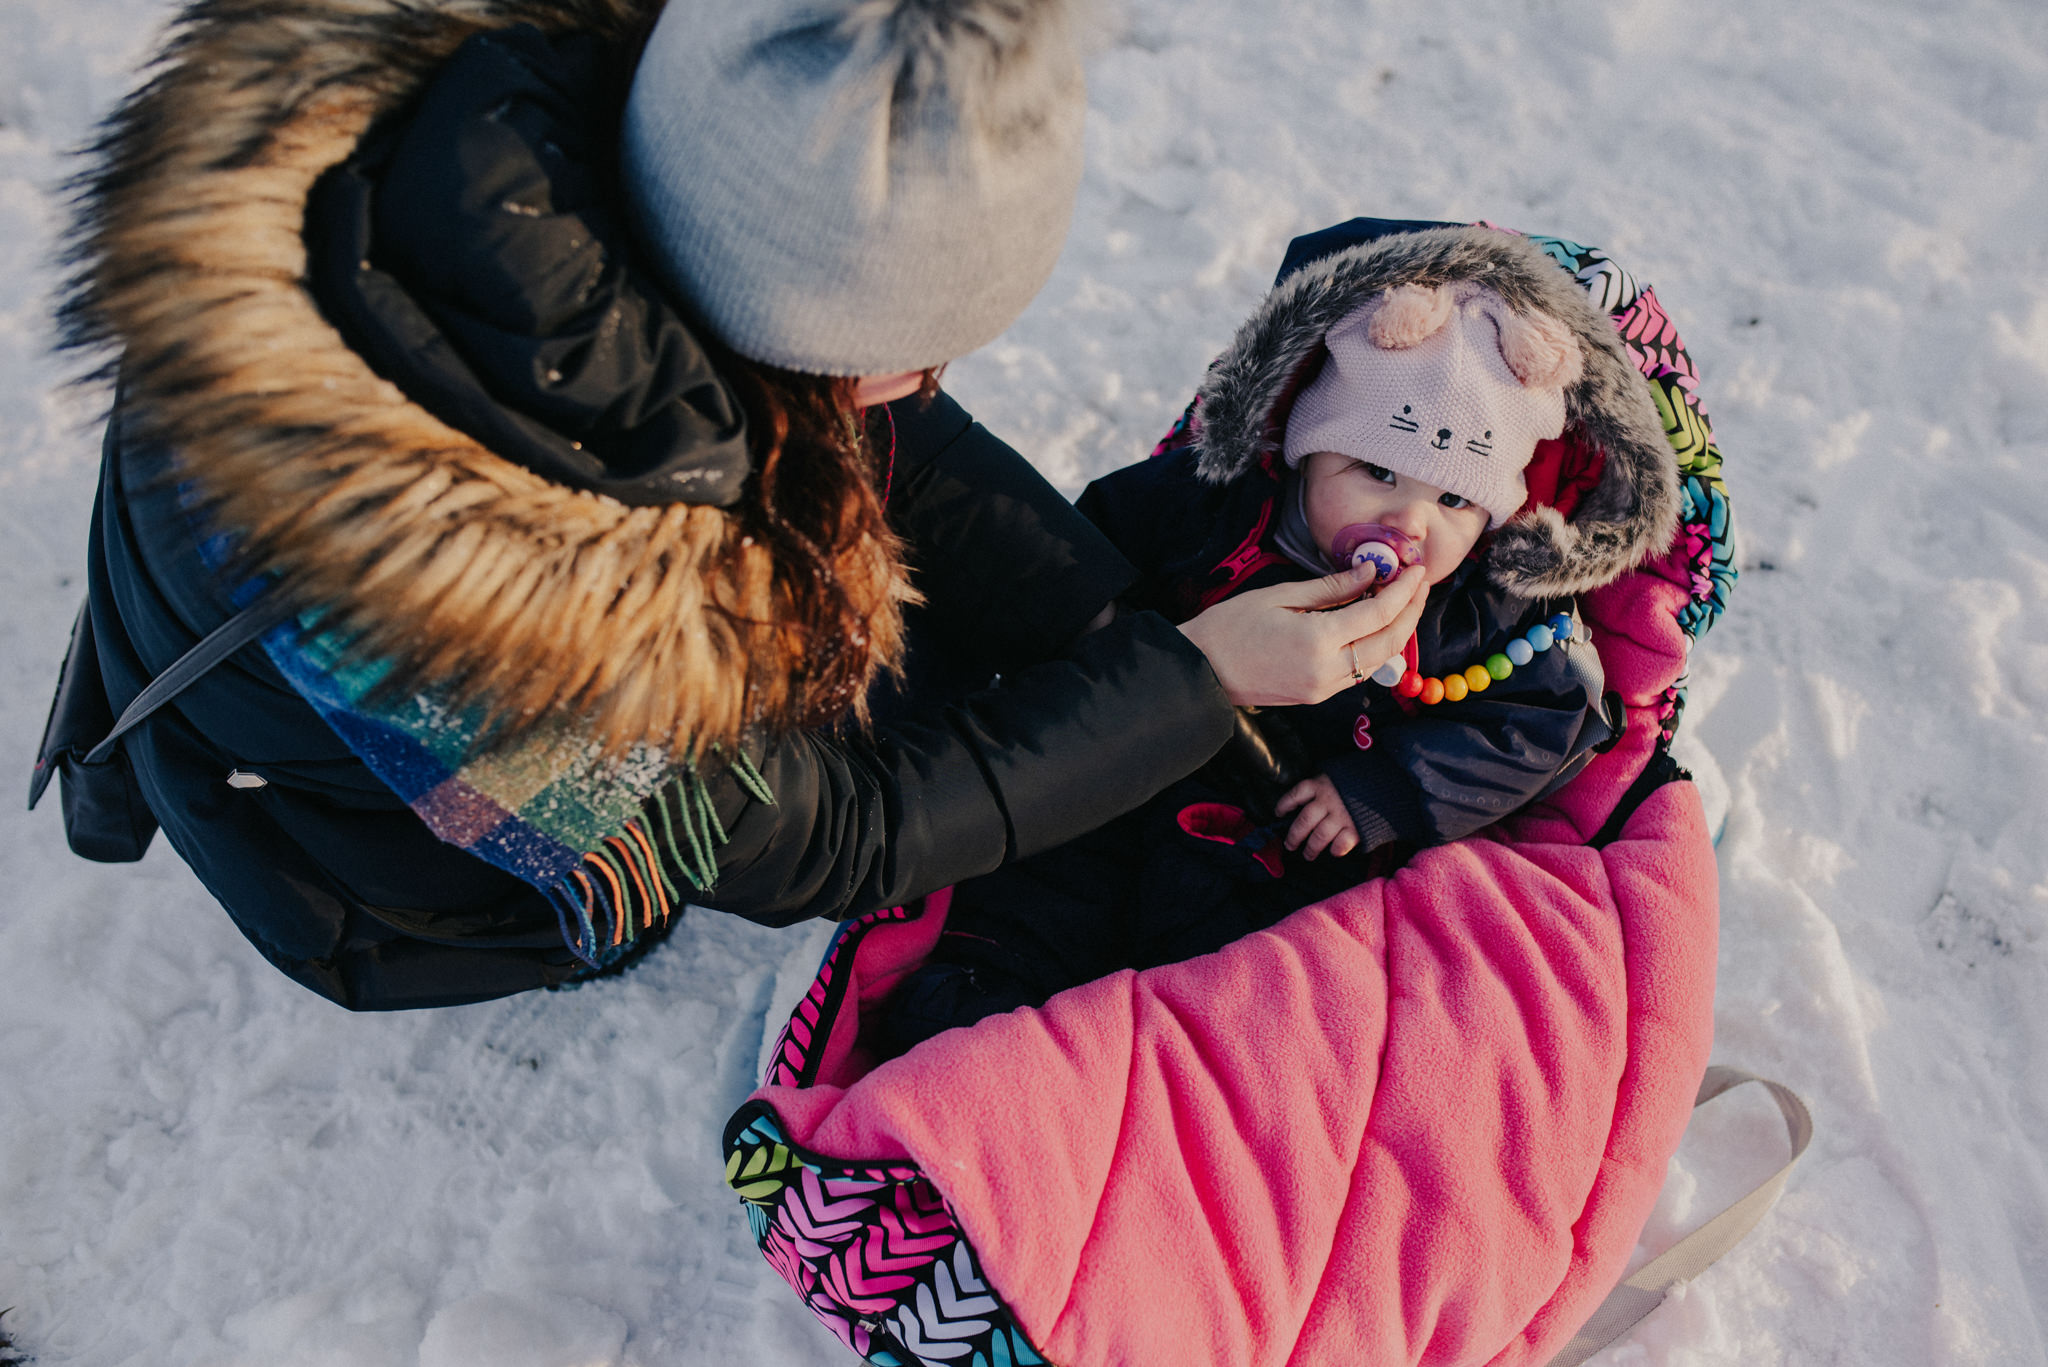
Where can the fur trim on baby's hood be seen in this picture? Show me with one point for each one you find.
(468, 573)
(1630, 515)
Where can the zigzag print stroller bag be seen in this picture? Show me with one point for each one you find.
(1422, 1121)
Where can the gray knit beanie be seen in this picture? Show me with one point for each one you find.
(857, 187)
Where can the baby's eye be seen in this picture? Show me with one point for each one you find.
(1455, 501)
(1378, 472)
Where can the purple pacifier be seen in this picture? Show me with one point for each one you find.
(1370, 543)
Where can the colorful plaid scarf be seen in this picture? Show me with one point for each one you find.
(603, 839)
(599, 837)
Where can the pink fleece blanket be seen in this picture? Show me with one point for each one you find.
(1422, 1122)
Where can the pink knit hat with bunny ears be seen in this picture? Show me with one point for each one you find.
(1445, 384)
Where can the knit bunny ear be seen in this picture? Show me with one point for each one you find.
(1407, 316)
(1539, 349)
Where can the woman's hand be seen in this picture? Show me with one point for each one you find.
(1325, 823)
(1293, 644)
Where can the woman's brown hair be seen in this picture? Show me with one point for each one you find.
(815, 504)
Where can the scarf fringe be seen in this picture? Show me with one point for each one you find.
(625, 888)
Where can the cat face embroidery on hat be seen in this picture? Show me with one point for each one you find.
(1407, 421)
(1446, 384)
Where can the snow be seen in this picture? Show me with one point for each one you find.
(1841, 203)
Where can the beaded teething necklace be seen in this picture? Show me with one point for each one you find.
(1477, 678)
(1390, 553)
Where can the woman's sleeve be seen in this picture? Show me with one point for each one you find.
(1075, 732)
(1011, 572)
(958, 789)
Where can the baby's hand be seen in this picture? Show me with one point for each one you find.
(1324, 823)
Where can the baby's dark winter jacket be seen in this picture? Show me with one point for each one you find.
(1202, 864)
(1419, 775)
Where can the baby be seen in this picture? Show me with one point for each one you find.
(1407, 445)
(1404, 451)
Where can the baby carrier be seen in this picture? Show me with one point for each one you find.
(1419, 1122)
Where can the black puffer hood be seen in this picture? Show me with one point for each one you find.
(1629, 515)
(474, 250)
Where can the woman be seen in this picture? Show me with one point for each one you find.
(641, 561)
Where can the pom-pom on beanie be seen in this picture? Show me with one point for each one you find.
(1445, 384)
(857, 187)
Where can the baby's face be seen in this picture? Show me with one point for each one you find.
(1338, 491)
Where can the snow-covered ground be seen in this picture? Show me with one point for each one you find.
(1842, 202)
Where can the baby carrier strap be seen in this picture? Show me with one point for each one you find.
(217, 645)
(1643, 1292)
(105, 817)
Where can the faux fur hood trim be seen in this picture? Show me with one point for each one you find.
(470, 574)
(1629, 516)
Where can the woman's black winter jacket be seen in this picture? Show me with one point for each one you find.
(1013, 731)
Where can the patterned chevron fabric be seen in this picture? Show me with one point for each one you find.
(794, 1062)
(1706, 532)
(873, 1251)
